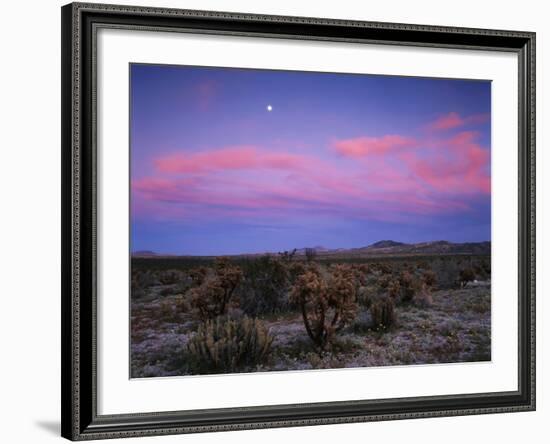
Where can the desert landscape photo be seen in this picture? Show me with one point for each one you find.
(289, 220)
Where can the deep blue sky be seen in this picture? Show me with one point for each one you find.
(227, 161)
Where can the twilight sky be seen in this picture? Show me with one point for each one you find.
(228, 161)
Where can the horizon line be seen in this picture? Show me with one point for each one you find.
(156, 253)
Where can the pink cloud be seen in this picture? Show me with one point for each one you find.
(448, 121)
(384, 193)
(382, 178)
(274, 200)
(233, 158)
(461, 168)
(410, 168)
(247, 196)
(453, 120)
(366, 146)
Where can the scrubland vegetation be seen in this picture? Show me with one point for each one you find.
(290, 312)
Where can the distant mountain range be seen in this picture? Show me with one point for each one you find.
(382, 247)
(434, 247)
(386, 244)
(144, 253)
(392, 247)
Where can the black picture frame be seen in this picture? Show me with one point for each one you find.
(80, 420)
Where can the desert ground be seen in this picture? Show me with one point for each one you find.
(307, 310)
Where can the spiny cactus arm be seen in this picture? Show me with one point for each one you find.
(321, 321)
(338, 321)
(223, 302)
(229, 292)
(306, 321)
(335, 318)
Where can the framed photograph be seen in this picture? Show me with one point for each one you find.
(280, 221)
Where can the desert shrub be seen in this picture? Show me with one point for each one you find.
(383, 268)
(182, 287)
(383, 282)
(371, 280)
(478, 271)
(143, 279)
(423, 297)
(198, 275)
(394, 289)
(327, 304)
(182, 304)
(482, 270)
(265, 286)
(168, 312)
(466, 275)
(295, 269)
(224, 345)
(446, 270)
(408, 286)
(361, 272)
(430, 278)
(383, 313)
(170, 277)
(365, 295)
(423, 264)
(342, 295)
(363, 268)
(212, 296)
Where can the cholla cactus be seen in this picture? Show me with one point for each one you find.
(383, 268)
(384, 282)
(226, 345)
(211, 297)
(228, 276)
(361, 272)
(423, 297)
(366, 295)
(466, 275)
(296, 269)
(409, 286)
(430, 278)
(327, 305)
(170, 277)
(342, 294)
(383, 313)
(394, 290)
(198, 275)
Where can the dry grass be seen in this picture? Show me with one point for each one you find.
(455, 327)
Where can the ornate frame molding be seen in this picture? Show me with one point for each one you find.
(79, 396)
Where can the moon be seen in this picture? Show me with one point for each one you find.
(269, 108)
